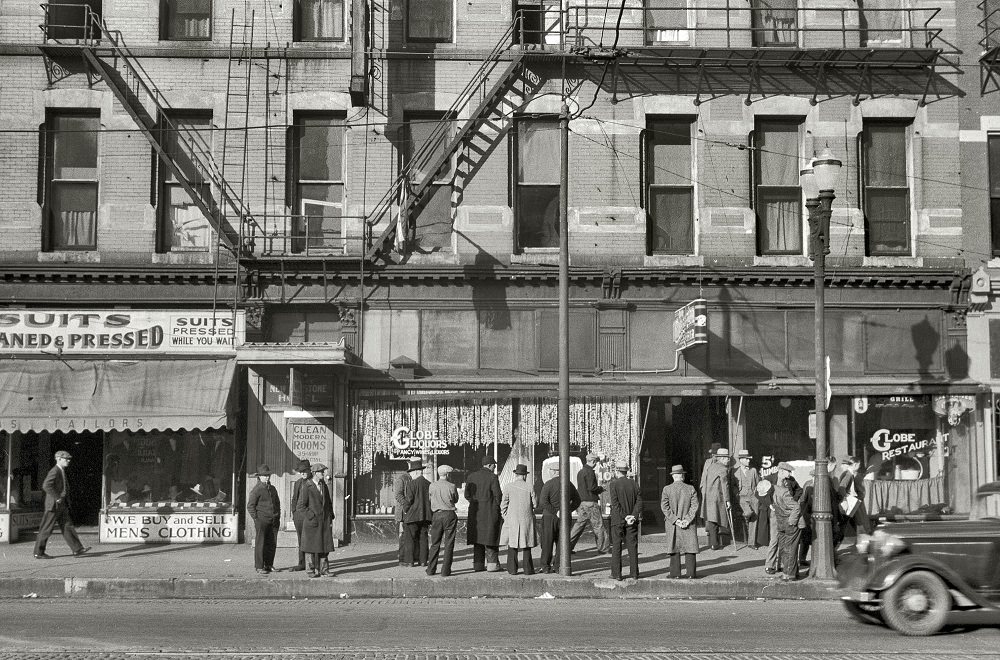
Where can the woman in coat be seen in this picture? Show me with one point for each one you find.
(518, 531)
(679, 503)
(317, 521)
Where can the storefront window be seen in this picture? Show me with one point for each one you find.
(26, 470)
(4, 469)
(182, 469)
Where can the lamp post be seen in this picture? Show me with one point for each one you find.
(818, 182)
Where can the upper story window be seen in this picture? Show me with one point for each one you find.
(319, 20)
(668, 21)
(669, 189)
(427, 136)
(183, 20)
(182, 224)
(883, 22)
(69, 169)
(885, 190)
(72, 19)
(536, 193)
(774, 22)
(316, 157)
(777, 195)
(430, 21)
(993, 145)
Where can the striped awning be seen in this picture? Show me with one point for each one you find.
(115, 395)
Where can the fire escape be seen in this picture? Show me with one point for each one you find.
(989, 61)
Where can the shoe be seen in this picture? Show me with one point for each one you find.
(82, 551)
(314, 574)
(716, 547)
(493, 569)
(619, 578)
(788, 578)
(298, 567)
(263, 571)
(407, 564)
(546, 569)
(804, 563)
(755, 547)
(430, 573)
(42, 555)
(633, 577)
(478, 569)
(691, 577)
(329, 574)
(443, 574)
(416, 563)
(770, 571)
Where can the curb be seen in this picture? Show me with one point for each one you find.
(453, 587)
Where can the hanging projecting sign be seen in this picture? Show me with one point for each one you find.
(79, 332)
(691, 324)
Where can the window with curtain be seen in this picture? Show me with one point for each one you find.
(667, 21)
(669, 186)
(183, 226)
(777, 195)
(317, 153)
(425, 137)
(70, 166)
(774, 22)
(537, 189)
(319, 20)
(185, 20)
(430, 20)
(993, 146)
(882, 22)
(885, 188)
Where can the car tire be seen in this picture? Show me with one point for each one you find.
(866, 613)
(917, 604)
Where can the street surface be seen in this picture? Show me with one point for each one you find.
(467, 628)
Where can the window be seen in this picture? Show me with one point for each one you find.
(430, 21)
(73, 19)
(319, 20)
(885, 188)
(537, 189)
(182, 20)
(669, 193)
(70, 173)
(777, 196)
(582, 339)
(667, 21)
(183, 225)
(317, 158)
(882, 22)
(426, 135)
(993, 145)
(774, 22)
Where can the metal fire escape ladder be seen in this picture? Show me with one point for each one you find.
(989, 60)
(408, 190)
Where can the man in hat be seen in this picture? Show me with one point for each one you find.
(444, 523)
(712, 451)
(550, 500)
(806, 502)
(403, 556)
(482, 491)
(745, 479)
(518, 531)
(715, 502)
(56, 511)
(589, 512)
(626, 511)
(316, 506)
(264, 508)
(679, 503)
(852, 491)
(788, 519)
(417, 513)
(304, 470)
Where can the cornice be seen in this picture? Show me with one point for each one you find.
(115, 274)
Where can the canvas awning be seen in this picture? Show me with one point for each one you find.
(115, 395)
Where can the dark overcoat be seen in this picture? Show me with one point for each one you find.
(482, 490)
(317, 518)
(418, 501)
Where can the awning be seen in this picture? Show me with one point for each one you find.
(115, 395)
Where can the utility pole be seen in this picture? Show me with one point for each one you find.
(563, 416)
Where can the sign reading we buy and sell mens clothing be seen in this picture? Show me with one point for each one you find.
(83, 332)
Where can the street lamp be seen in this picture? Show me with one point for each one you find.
(818, 182)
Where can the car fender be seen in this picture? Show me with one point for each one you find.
(889, 573)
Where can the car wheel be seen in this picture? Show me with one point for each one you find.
(917, 604)
(864, 612)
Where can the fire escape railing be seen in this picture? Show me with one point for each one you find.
(989, 60)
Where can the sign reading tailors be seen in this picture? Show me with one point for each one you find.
(179, 527)
(311, 441)
(83, 332)
(691, 324)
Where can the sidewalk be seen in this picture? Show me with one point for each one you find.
(371, 571)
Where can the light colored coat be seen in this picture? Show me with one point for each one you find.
(518, 510)
(679, 501)
(746, 489)
(715, 494)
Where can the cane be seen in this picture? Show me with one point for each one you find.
(732, 528)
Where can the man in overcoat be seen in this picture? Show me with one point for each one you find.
(626, 511)
(518, 532)
(550, 500)
(317, 521)
(715, 502)
(589, 512)
(679, 503)
(56, 510)
(417, 513)
(712, 451)
(264, 508)
(304, 470)
(745, 479)
(788, 518)
(405, 553)
(482, 491)
(852, 490)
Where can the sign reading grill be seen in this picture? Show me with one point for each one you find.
(691, 324)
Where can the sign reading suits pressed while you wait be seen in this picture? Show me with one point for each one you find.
(67, 332)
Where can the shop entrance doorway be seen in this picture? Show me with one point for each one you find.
(84, 474)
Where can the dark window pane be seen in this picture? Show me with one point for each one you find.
(995, 224)
(671, 215)
(429, 20)
(669, 152)
(888, 227)
(994, 156)
(321, 20)
(321, 145)
(885, 155)
(538, 149)
(68, 20)
(538, 216)
(774, 22)
(74, 154)
(780, 220)
(903, 342)
(507, 340)
(448, 340)
(74, 215)
(434, 222)
(995, 349)
(582, 343)
(188, 19)
(331, 193)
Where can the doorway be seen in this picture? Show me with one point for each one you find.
(85, 473)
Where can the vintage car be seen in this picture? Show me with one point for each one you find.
(917, 577)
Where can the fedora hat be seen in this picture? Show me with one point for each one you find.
(592, 457)
(678, 469)
(415, 464)
(489, 460)
(783, 465)
(303, 466)
(621, 466)
(63, 454)
(521, 469)
(318, 467)
(263, 470)
(722, 452)
(743, 453)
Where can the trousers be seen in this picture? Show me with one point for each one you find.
(265, 544)
(627, 536)
(589, 513)
(529, 567)
(58, 516)
(788, 543)
(443, 527)
(485, 556)
(690, 565)
(417, 547)
(773, 553)
(550, 535)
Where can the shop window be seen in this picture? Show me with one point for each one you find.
(426, 135)
(668, 21)
(507, 340)
(885, 188)
(316, 160)
(993, 145)
(903, 343)
(776, 193)
(180, 469)
(582, 340)
(775, 23)
(319, 20)
(183, 226)
(537, 187)
(69, 170)
(669, 189)
(778, 427)
(651, 340)
(844, 341)
(448, 339)
(746, 342)
(185, 20)
(430, 21)
(25, 456)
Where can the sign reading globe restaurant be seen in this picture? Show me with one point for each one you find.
(407, 444)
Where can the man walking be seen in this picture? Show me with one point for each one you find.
(551, 501)
(679, 503)
(417, 515)
(518, 531)
(264, 508)
(626, 511)
(482, 491)
(852, 492)
(403, 556)
(443, 496)
(589, 512)
(56, 488)
(746, 479)
(715, 503)
(304, 470)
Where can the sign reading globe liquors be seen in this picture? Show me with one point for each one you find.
(407, 444)
(691, 324)
(175, 527)
(82, 332)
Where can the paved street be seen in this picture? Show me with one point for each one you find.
(467, 628)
